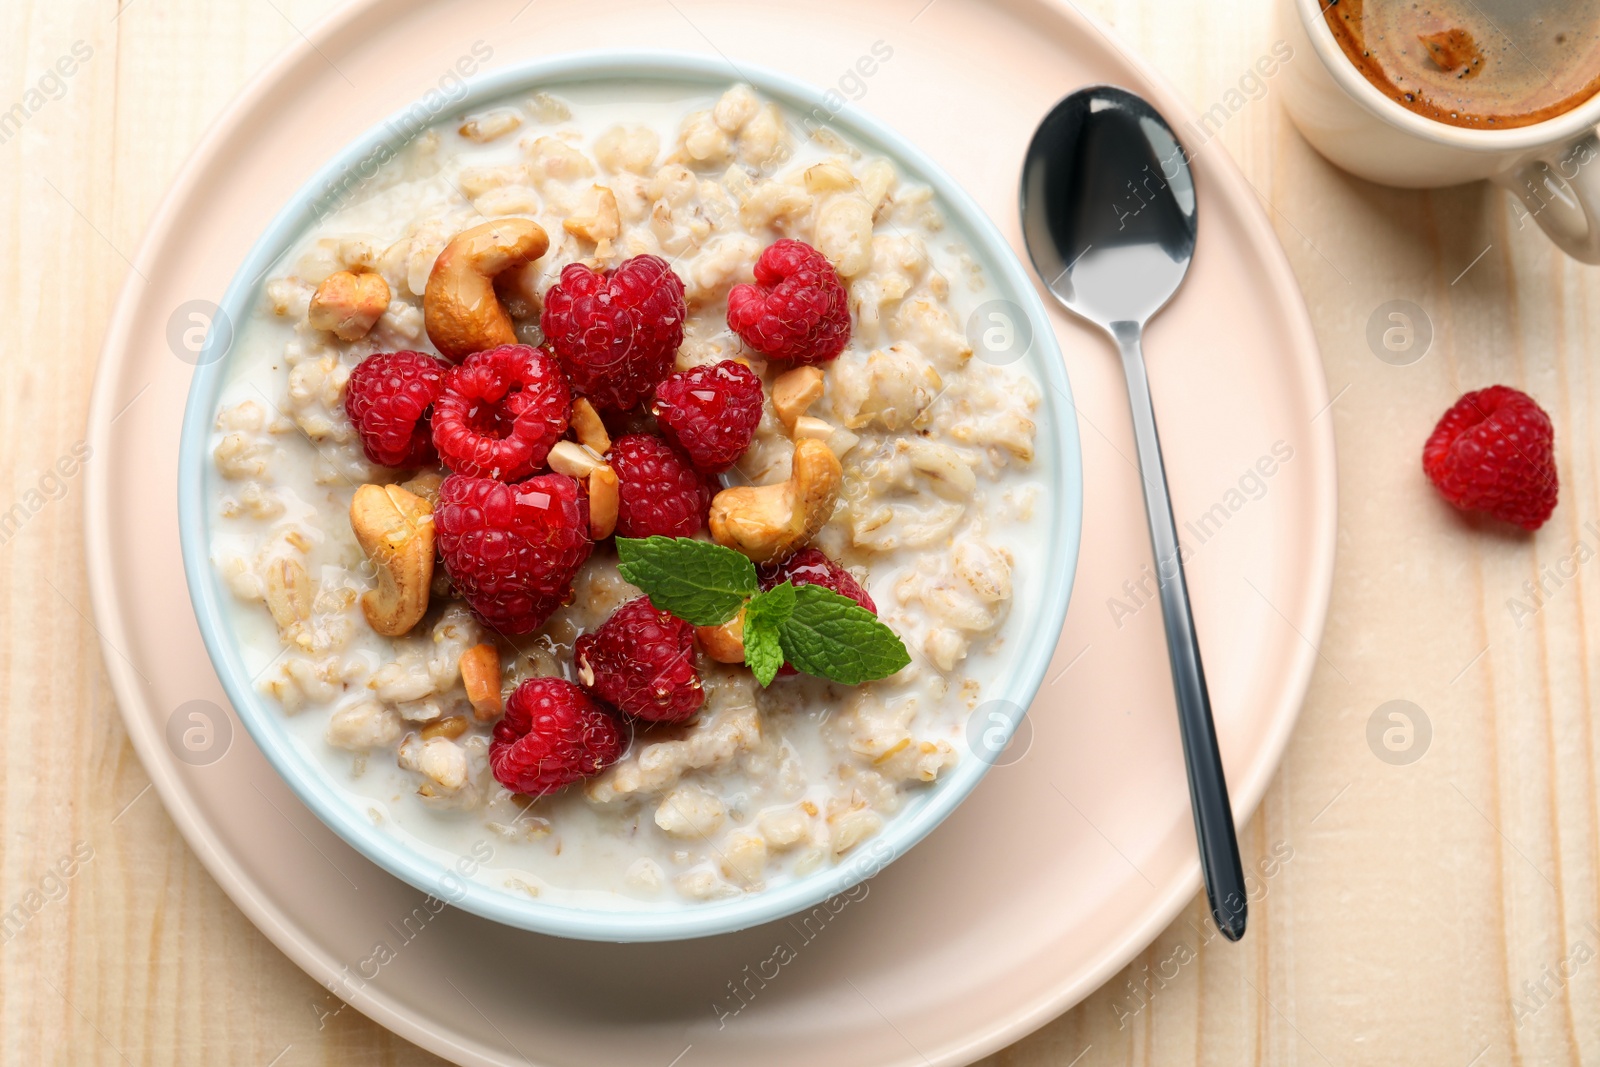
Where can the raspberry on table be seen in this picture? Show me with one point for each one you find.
(797, 309)
(388, 399)
(500, 411)
(512, 551)
(642, 660)
(811, 566)
(553, 734)
(1494, 451)
(658, 489)
(710, 412)
(617, 333)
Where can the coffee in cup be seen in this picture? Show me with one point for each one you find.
(1480, 64)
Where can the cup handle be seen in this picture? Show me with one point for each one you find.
(1561, 192)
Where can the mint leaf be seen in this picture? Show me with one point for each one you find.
(832, 636)
(763, 616)
(809, 626)
(699, 582)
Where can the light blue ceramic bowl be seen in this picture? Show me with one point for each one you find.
(1032, 633)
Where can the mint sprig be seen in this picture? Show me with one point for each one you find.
(811, 627)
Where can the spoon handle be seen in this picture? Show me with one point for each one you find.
(1208, 789)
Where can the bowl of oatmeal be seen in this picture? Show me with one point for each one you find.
(629, 502)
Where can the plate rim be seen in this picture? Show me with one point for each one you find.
(278, 925)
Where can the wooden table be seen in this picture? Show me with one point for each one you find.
(1438, 910)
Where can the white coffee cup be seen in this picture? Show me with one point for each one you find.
(1359, 129)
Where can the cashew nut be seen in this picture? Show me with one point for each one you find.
(572, 459)
(769, 522)
(603, 502)
(807, 427)
(724, 643)
(576, 461)
(347, 305)
(598, 220)
(588, 427)
(460, 309)
(395, 530)
(794, 391)
(480, 674)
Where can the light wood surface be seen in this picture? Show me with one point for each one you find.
(1441, 911)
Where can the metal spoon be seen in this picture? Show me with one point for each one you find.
(1108, 213)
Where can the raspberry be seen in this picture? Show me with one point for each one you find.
(810, 566)
(797, 309)
(1494, 451)
(658, 489)
(710, 413)
(552, 735)
(387, 400)
(642, 660)
(512, 550)
(617, 333)
(500, 412)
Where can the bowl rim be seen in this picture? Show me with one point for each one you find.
(331, 804)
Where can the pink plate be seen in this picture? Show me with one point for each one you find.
(1064, 863)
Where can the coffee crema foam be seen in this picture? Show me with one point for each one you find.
(1481, 64)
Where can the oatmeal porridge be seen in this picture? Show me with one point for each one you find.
(565, 339)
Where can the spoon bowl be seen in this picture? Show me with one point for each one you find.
(1109, 215)
(1108, 206)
